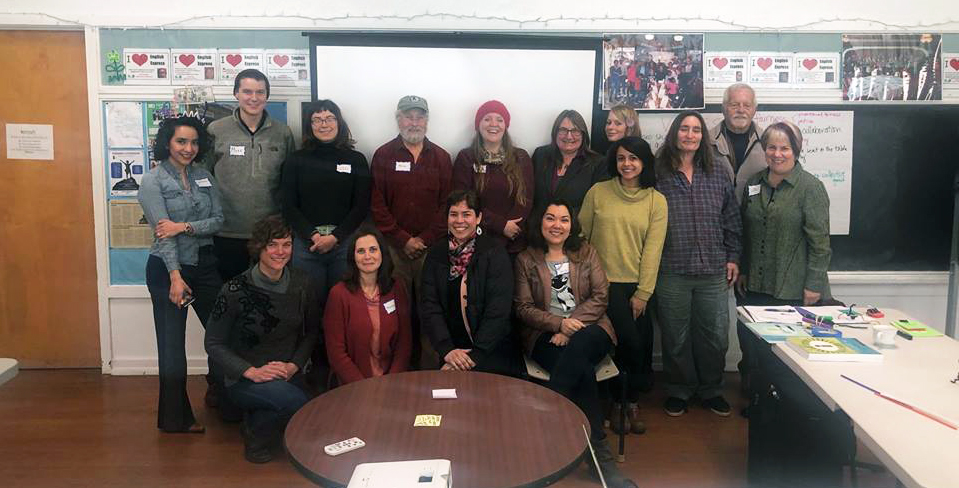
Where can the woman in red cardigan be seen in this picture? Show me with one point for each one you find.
(367, 317)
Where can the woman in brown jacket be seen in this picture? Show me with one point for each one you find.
(560, 297)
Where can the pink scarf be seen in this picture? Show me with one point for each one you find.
(461, 252)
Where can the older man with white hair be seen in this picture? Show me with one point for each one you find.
(735, 140)
(411, 179)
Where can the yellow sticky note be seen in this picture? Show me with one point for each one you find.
(427, 421)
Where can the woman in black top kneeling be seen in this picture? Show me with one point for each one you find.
(468, 294)
(264, 325)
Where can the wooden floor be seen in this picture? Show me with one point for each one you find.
(81, 428)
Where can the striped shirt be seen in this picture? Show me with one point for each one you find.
(704, 229)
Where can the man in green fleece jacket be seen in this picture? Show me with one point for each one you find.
(249, 149)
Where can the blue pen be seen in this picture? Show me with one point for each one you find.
(860, 384)
(805, 313)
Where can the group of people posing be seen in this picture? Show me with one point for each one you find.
(315, 259)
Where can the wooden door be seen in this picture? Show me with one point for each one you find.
(48, 276)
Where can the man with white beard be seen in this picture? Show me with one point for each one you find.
(735, 140)
(411, 179)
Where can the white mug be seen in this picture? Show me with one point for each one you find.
(884, 335)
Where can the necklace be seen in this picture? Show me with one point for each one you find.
(373, 295)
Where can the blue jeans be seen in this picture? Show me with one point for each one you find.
(694, 318)
(325, 270)
(174, 413)
(268, 406)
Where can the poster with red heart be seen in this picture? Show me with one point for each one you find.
(194, 66)
(770, 69)
(950, 71)
(232, 61)
(820, 69)
(288, 66)
(146, 66)
(725, 68)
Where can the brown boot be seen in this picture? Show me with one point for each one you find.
(615, 419)
(637, 426)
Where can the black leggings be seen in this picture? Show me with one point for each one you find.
(634, 337)
(572, 370)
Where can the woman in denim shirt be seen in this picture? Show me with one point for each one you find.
(182, 204)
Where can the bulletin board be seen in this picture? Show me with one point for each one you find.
(130, 128)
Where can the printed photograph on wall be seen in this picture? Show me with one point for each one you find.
(653, 71)
(892, 67)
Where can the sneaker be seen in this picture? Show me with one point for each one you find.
(718, 405)
(675, 406)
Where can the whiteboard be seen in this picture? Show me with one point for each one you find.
(827, 150)
(534, 84)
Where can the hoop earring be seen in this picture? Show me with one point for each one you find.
(479, 231)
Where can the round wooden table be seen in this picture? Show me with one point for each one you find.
(498, 432)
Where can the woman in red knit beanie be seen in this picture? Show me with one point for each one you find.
(501, 174)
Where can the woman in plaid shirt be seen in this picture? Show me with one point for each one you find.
(700, 262)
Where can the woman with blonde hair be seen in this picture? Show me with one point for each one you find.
(621, 122)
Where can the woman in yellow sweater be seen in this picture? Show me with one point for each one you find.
(624, 219)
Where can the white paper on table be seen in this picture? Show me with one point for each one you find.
(781, 314)
(444, 393)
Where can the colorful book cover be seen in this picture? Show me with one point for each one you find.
(833, 349)
(915, 328)
(776, 332)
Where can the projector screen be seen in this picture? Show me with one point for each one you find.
(534, 84)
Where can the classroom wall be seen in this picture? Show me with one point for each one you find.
(754, 15)
(126, 331)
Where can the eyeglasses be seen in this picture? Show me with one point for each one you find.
(569, 132)
(325, 120)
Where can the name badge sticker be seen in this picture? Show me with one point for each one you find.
(390, 306)
(344, 168)
(404, 166)
(237, 150)
(204, 183)
(753, 190)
